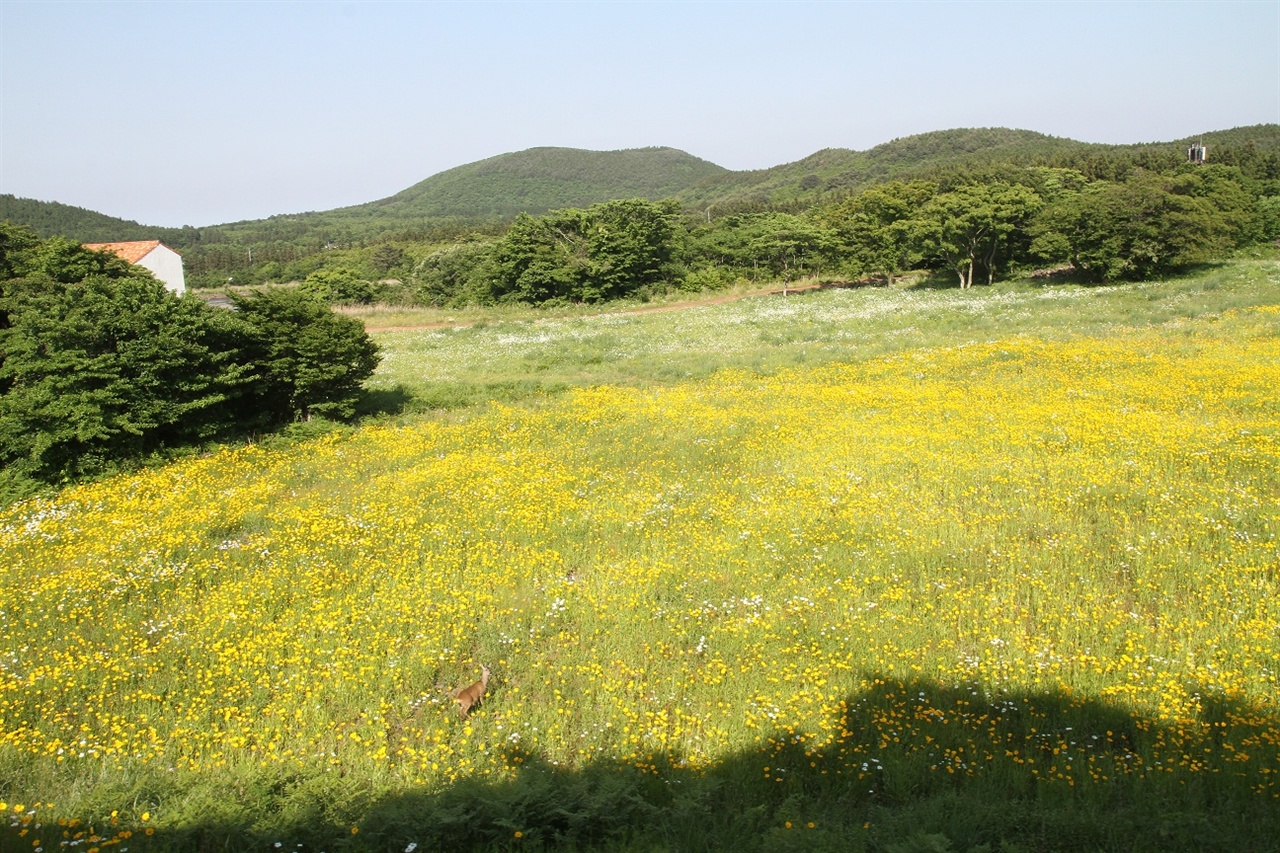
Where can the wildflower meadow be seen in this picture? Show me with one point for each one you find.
(1010, 593)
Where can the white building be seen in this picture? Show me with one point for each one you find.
(164, 263)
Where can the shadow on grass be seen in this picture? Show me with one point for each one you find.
(384, 401)
(1070, 275)
(1062, 275)
(910, 766)
(449, 396)
(939, 280)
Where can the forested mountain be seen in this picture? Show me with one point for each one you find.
(493, 190)
(836, 172)
(486, 195)
(542, 179)
(50, 218)
(841, 171)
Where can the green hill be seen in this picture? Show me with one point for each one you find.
(51, 218)
(497, 188)
(842, 170)
(542, 179)
(839, 171)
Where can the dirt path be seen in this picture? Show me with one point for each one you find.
(718, 299)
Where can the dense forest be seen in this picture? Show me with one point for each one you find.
(532, 226)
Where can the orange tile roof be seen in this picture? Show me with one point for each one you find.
(131, 252)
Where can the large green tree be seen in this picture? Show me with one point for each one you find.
(17, 245)
(100, 363)
(630, 244)
(790, 247)
(877, 227)
(755, 245)
(607, 251)
(307, 359)
(541, 258)
(458, 274)
(969, 227)
(340, 285)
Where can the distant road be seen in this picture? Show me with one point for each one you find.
(217, 300)
(371, 323)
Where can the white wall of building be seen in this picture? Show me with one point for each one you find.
(166, 265)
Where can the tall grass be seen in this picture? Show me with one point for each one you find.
(1004, 585)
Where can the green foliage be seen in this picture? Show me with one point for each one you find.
(543, 179)
(1234, 199)
(454, 275)
(758, 246)
(66, 261)
(309, 360)
(17, 244)
(105, 369)
(540, 258)
(388, 238)
(877, 229)
(50, 218)
(1146, 226)
(629, 245)
(972, 226)
(338, 285)
(791, 246)
(101, 364)
(607, 251)
(922, 842)
(386, 258)
(1269, 217)
(707, 277)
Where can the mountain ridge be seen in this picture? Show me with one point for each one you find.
(555, 176)
(544, 178)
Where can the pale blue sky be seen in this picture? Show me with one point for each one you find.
(175, 113)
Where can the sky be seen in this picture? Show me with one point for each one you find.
(200, 113)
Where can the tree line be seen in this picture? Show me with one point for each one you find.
(455, 210)
(974, 226)
(100, 364)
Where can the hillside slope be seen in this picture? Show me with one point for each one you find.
(840, 169)
(50, 218)
(835, 172)
(541, 179)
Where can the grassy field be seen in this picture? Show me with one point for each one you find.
(513, 355)
(855, 570)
